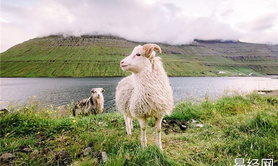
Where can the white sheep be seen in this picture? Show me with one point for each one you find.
(146, 93)
(92, 105)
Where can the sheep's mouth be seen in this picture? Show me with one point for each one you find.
(123, 66)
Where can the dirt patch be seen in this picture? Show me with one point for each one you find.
(63, 157)
(6, 157)
(175, 126)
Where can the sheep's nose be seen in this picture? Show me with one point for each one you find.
(122, 62)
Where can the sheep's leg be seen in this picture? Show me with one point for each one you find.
(78, 112)
(143, 125)
(73, 111)
(85, 110)
(127, 124)
(158, 132)
(131, 124)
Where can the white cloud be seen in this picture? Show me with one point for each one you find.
(174, 22)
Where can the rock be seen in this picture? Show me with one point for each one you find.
(96, 154)
(114, 120)
(87, 151)
(6, 157)
(183, 127)
(3, 111)
(104, 156)
(194, 121)
(26, 150)
(63, 157)
(172, 122)
(199, 125)
(34, 154)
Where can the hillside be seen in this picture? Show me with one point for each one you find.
(86, 56)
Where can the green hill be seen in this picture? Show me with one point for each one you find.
(86, 56)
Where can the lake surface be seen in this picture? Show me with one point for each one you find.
(62, 91)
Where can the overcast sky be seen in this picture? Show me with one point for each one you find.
(170, 21)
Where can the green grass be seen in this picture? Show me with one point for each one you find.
(234, 127)
(89, 56)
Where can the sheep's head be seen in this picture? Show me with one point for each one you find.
(140, 58)
(97, 93)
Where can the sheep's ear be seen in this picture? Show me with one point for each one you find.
(148, 48)
(103, 90)
(92, 90)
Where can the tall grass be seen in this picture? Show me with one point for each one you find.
(234, 127)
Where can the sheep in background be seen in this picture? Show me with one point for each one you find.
(146, 93)
(92, 105)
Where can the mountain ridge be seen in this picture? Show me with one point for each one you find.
(99, 55)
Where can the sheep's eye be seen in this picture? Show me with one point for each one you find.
(93, 92)
(138, 54)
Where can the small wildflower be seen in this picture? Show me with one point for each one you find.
(10, 107)
(74, 121)
(38, 133)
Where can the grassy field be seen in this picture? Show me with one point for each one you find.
(233, 127)
(88, 56)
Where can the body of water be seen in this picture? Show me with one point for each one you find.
(62, 91)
